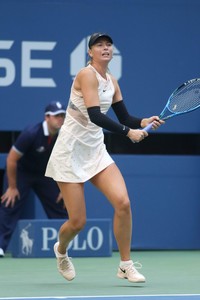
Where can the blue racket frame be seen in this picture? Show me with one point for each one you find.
(174, 114)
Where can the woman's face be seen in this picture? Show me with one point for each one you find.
(102, 50)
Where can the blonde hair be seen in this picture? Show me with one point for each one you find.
(89, 62)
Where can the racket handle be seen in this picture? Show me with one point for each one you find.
(148, 127)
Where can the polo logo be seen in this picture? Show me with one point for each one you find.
(27, 242)
(94, 240)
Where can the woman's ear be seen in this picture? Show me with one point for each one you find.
(90, 53)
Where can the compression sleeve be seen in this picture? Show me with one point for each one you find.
(124, 117)
(101, 120)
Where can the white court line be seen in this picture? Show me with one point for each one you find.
(104, 296)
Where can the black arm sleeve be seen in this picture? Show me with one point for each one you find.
(101, 120)
(124, 117)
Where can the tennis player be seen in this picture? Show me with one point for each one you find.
(26, 164)
(80, 155)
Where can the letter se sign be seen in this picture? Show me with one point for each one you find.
(27, 64)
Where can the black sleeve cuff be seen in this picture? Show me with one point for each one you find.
(101, 120)
(124, 117)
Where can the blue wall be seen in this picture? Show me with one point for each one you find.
(44, 43)
(164, 193)
(42, 46)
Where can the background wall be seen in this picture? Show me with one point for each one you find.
(42, 46)
(157, 42)
(165, 202)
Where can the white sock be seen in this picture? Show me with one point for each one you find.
(61, 255)
(125, 263)
(58, 254)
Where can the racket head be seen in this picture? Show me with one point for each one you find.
(184, 99)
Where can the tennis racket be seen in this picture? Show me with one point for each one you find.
(184, 99)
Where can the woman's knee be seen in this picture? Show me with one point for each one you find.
(123, 207)
(77, 224)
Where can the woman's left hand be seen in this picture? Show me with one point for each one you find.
(156, 122)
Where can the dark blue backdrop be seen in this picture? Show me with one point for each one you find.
(157, 48)
(43, 43)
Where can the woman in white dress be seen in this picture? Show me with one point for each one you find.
(80, 155)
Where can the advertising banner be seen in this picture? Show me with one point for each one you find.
(36, 238)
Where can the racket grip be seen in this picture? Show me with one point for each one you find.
(148, 127)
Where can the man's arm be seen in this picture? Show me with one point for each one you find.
(12, 192)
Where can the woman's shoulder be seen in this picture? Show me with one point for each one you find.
(114, 80)
(86, 71)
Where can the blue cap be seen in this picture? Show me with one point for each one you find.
(55, 108)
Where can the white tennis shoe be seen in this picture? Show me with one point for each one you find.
(130, 272)
(2, 254)
(64, 264)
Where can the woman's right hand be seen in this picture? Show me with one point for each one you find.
(137, 135)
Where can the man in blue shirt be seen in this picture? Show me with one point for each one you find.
(26, 164)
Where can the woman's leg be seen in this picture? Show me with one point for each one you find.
(111, 183)
(73, 196)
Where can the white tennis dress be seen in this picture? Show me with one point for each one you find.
(79, 152)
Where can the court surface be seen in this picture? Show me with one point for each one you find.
(170, 275)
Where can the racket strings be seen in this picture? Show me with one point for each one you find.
(185, 99)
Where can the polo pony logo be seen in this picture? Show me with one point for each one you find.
(27, 242)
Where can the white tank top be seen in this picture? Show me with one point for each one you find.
(77, 120)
